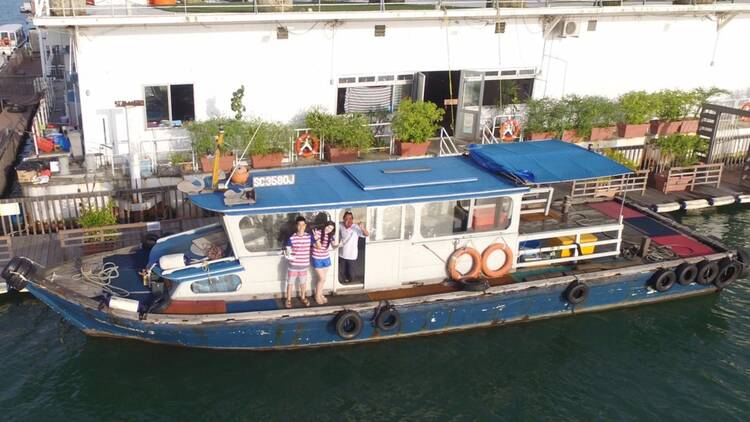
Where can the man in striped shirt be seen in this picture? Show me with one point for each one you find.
(298, 253)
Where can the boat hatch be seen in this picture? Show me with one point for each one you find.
(545, 161)
(404, 173)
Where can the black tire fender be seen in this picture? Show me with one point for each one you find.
(686, 273)
(577, 292)
(707, 272)
(663, 280)
(743, 256)
(729, 271)
(149, 240)
(478, 285)
(348, 324)
(388, 319)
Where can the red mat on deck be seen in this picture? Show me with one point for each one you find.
(683, 245)
(612, 209)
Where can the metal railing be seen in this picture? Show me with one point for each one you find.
(569, 245)
(609, 186)
(66, 8)
(54, 213)
(447, 146)
(679, 179)
(488, 137)
(537, 201)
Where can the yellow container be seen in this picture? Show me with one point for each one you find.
(569, 240)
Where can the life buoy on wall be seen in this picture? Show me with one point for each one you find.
(505, 268)
(307, 145)
(745, 107)
(510, 130)
(6, 41)
(476, 265)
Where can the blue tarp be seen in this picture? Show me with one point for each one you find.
(544, 161)
(323, 187)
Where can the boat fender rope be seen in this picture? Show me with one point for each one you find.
(663, 280)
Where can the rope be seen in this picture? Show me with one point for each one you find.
(103, 278)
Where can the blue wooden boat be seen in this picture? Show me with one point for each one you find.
(454, 243)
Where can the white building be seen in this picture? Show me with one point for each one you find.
(186, 65)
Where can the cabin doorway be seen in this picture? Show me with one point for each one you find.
(351, 274)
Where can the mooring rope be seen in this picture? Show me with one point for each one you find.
(103, 278)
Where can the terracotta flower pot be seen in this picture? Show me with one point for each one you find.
(540, 136)
(689, 126)
(632, 131)
(571, 136)
(664, 128)
(411, 149)
(603, 133)
(340, 155)
(240, 176)
(264, 161)
(162, 2)
(225, 163)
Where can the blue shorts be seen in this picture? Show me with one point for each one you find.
(321, 263)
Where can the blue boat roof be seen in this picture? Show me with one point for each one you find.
(541, 162)
(367, 184)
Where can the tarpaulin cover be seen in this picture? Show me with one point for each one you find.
(545, 161)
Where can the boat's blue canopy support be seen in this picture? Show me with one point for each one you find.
(544, 161)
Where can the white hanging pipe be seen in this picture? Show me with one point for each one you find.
(243, 153)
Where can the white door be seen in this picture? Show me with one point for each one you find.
(469, 110)
(388, 227)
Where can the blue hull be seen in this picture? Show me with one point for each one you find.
(416, 318)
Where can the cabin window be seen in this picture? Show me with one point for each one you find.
(491, 214)
(169, 105)
(263, 233)
(444, 218)
(391, 223)
(217, 284)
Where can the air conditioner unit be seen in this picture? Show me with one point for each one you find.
(570, 28)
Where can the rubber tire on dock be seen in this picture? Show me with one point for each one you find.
(707, 272)
(729, 270)
(687, 273)
(478, 285)
(577, 292)
(388, 319)
(348, 324)
(663, 280)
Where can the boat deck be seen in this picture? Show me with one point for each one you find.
(666, 243)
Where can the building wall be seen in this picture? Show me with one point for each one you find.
(283, 78)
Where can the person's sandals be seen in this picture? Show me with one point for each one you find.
(321, 300)
(304, 301)
(288, 303)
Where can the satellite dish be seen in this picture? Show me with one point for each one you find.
(190, 187)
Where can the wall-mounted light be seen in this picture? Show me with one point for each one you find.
(282, 33)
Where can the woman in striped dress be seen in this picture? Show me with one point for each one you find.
(325, 239)
(298, 253)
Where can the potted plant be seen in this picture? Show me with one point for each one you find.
(182, 161)
(93, 217)
(344, 135)
(203, 138)
(270, 145)
(682, 150)
(568, 118)
(604, 115)
(637, 111)
(671, 108)
(543, 118)
(414, 124)
(698, 97)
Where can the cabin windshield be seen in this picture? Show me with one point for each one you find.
(262, 233)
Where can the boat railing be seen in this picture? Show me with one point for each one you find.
(488, 137)
(447, 145)
(537, 201)
(569, 245)
(381, 131)
(608, 187)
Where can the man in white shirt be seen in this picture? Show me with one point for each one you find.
(349, 235)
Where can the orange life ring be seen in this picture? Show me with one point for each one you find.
(6, 41)
(505, 268)
(303, 147)
(476, 265)
(745, 107)
(510, 130)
